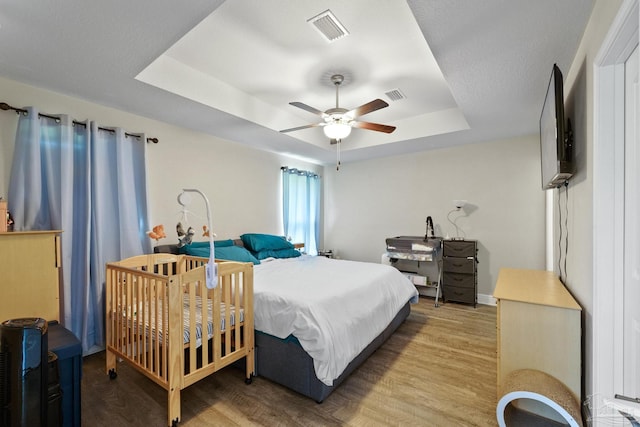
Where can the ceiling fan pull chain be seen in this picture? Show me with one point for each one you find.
(338, 141)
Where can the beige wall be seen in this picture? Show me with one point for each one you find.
(242, 184)
(579, 94)
(369, 201)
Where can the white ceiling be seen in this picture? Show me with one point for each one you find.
(472, 71)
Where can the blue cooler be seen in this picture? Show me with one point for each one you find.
(69, 351)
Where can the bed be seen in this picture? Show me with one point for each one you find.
(164, 321)
(318, 319)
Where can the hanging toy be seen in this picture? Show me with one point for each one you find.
(207, 233)
(157, 232)
(184, 238)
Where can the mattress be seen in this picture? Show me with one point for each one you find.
(335, 308)
(150, 314)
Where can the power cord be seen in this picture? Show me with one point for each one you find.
(464, 235)
(566, 233)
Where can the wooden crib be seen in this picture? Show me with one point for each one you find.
(162, 319)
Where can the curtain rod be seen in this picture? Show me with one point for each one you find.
(4, 106)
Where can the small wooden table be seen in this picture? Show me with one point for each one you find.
(538, 326)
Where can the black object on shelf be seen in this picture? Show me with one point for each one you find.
(328, 254)
(23, 372)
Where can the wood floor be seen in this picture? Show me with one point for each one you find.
(438, 369)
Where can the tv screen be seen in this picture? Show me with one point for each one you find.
(555, 139)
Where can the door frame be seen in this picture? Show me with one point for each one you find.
(608, 202)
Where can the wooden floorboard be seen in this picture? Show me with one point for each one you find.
(438, 369)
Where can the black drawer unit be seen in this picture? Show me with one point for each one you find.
(459, 271)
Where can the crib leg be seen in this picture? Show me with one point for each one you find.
(174, 406)
(111, 364)
(250, 363)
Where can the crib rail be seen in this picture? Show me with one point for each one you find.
(163, 319)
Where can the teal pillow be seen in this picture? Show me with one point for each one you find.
(223, 243)
(277, 253)
(196, 250)
(225, 250)
(259, 242)
(204, 245)
(235, 253)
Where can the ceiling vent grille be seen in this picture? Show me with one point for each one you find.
(395, 95)
(329, 26)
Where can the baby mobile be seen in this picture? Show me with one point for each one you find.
(185, 237)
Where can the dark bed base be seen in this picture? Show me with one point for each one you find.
(285, 361)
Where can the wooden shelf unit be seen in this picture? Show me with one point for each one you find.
(538, 326)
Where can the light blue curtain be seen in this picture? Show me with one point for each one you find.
(91, 184)
(301, 207)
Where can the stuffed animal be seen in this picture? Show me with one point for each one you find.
(157, 233)
(184, 238)
(207, 233)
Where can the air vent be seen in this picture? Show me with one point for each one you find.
(395, 95)
(329, 26)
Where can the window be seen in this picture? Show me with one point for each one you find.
(301, 207)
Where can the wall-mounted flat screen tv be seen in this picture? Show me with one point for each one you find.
(556, 141)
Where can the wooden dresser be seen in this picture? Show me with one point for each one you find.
(30, 274)
(539, 326)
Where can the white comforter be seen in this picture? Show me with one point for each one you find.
(334, 307)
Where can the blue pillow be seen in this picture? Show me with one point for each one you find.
(277, 253)
(235, 253)
(197, 250)
(205, 245)
(225, 252)
(223, 243)
(259, 242)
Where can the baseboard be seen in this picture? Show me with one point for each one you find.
(486, 299)
(482, 298)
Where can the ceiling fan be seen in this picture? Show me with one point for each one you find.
(337, 122)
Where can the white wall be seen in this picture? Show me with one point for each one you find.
(579, 91)
(367, 202)
(242, 184)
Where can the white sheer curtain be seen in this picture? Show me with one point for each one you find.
(301, 207)
(90, 183)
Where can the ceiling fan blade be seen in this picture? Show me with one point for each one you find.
(300, 127)
(367, 108)
(373, 126)
(308, 108)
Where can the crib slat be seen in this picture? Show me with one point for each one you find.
(217, 335)
(237, 306)
(155, 298)
(192, 326)
(206, 319)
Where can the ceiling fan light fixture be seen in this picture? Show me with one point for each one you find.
(337, 130)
